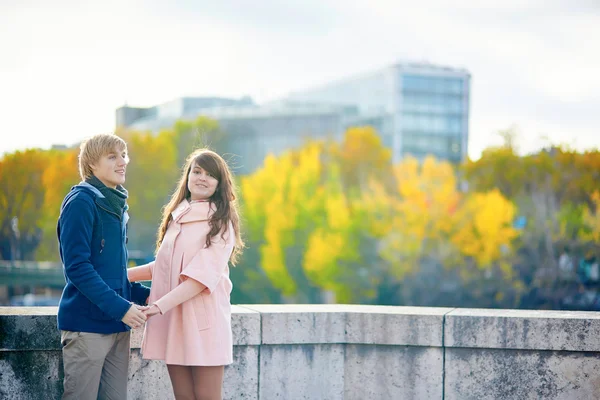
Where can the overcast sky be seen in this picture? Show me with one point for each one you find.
(65, 66)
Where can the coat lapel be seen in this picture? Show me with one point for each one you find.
(182, 208)
(185, 212)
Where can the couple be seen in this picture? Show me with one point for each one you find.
(187, 312)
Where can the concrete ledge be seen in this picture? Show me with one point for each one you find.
(349, 352)
(523, 329)
(245, 326)
(393, 372)
(31, 358)
(28, 328)
(34, 328)
(480, 374)
(358, 324)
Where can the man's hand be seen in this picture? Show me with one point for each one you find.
(152, 310)
(134, 317)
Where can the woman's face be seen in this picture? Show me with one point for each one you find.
(201, 184)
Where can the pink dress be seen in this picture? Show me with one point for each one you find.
(196, 331)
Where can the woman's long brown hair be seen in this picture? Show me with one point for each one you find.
(224, 199)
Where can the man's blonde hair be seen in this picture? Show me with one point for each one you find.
(93, 148)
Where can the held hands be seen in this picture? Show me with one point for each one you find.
(151, 310)
(138, 315)
(135, 316)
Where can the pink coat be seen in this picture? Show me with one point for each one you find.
(197, 331)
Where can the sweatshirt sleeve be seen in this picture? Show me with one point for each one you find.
(139, 293)
(76, 226)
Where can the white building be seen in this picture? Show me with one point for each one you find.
(418, 109)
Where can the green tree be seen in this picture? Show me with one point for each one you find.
(202, 132)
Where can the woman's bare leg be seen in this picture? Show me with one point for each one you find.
(182, 381)
(208, 382)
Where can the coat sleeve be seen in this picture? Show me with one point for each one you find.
(75, 236)
(182, 293)
(209, 264)
(141, 273)
(139, 292)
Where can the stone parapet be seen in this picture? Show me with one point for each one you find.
(349, 352)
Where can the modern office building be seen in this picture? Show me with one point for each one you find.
(164, 115)
(418, 109)
(253, 131)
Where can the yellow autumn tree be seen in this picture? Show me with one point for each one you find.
(319, 226)
(362, 158)
(60, 174)
(433, 220)
(21, 200)
(484, 230)
(333, 242)
(152, 175)
(279, 200)
(426, 199)
(590, 231)
(308, 225)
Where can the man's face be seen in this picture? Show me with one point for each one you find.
(110, 168)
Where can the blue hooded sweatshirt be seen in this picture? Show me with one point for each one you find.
(92, 240)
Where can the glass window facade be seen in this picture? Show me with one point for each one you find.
(424, 107)
(253, 138)
(417, 110)
(432, 84)
(432, 118)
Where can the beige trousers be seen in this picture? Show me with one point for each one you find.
(95, 365)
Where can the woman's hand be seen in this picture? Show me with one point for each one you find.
(151, 310)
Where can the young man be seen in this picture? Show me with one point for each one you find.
(95, 314)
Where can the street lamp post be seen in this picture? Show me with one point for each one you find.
(14, 226)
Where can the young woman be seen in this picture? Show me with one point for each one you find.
(189, 314)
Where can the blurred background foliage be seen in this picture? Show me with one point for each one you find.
(339, 222)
